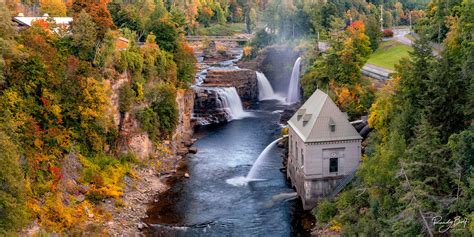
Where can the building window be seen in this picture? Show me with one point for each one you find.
(291, 144)
(296, 151)
(302, 158)
(332, 125)
(333, 165)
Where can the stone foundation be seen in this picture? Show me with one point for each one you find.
(311, 190)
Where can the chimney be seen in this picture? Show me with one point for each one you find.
(21, 14)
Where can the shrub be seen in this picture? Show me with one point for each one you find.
(262, 39)
(149, 122)
(160, 119)
(387, 33)
(120, 63)
(126, 95)
(325, 211)
(134, 61)
(104, 174)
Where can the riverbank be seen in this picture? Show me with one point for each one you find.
(127, 221)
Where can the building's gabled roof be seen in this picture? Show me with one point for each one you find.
(313, 121)
(28, 21)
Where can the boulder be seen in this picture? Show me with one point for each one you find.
(193, 150)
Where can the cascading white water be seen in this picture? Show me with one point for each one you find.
(265, 89)
(293, 95)
(231, 103)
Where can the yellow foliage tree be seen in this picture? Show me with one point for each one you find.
(53, 7)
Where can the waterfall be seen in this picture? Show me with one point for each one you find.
(253, 173)
(265, 90)
(293, 95)
(231, 103)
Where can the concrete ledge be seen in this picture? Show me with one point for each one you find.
(376, 72)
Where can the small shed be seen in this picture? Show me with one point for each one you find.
(324, 148)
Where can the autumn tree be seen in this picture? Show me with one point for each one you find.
(343, 61)
(53, 7)
(99, 13)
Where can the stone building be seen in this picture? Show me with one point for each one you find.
(324, 149)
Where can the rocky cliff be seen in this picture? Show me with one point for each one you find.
(244, 81)
(182, 137)
(137, 141)
(208, 107)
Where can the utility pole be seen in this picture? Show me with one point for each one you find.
(317, 43)
(381, 17)
(409, 16)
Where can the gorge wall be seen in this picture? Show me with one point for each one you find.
(208, 107)
(244, 81)
(182, 137)
(208, 104)
(132, 137)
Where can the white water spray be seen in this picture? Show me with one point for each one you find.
(293, 95)
(254, 173)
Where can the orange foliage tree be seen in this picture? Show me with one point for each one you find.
(97, 9)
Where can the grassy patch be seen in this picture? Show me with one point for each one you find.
(388, 54)
(222, 30)
(409, 36)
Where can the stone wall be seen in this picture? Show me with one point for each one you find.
(244, 81)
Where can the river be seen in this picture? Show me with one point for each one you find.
(206, 204)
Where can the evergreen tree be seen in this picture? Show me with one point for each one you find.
(83, 36)
(411, 92)
(373, 31)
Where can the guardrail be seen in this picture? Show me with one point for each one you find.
(342, 184)
(217, 38)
